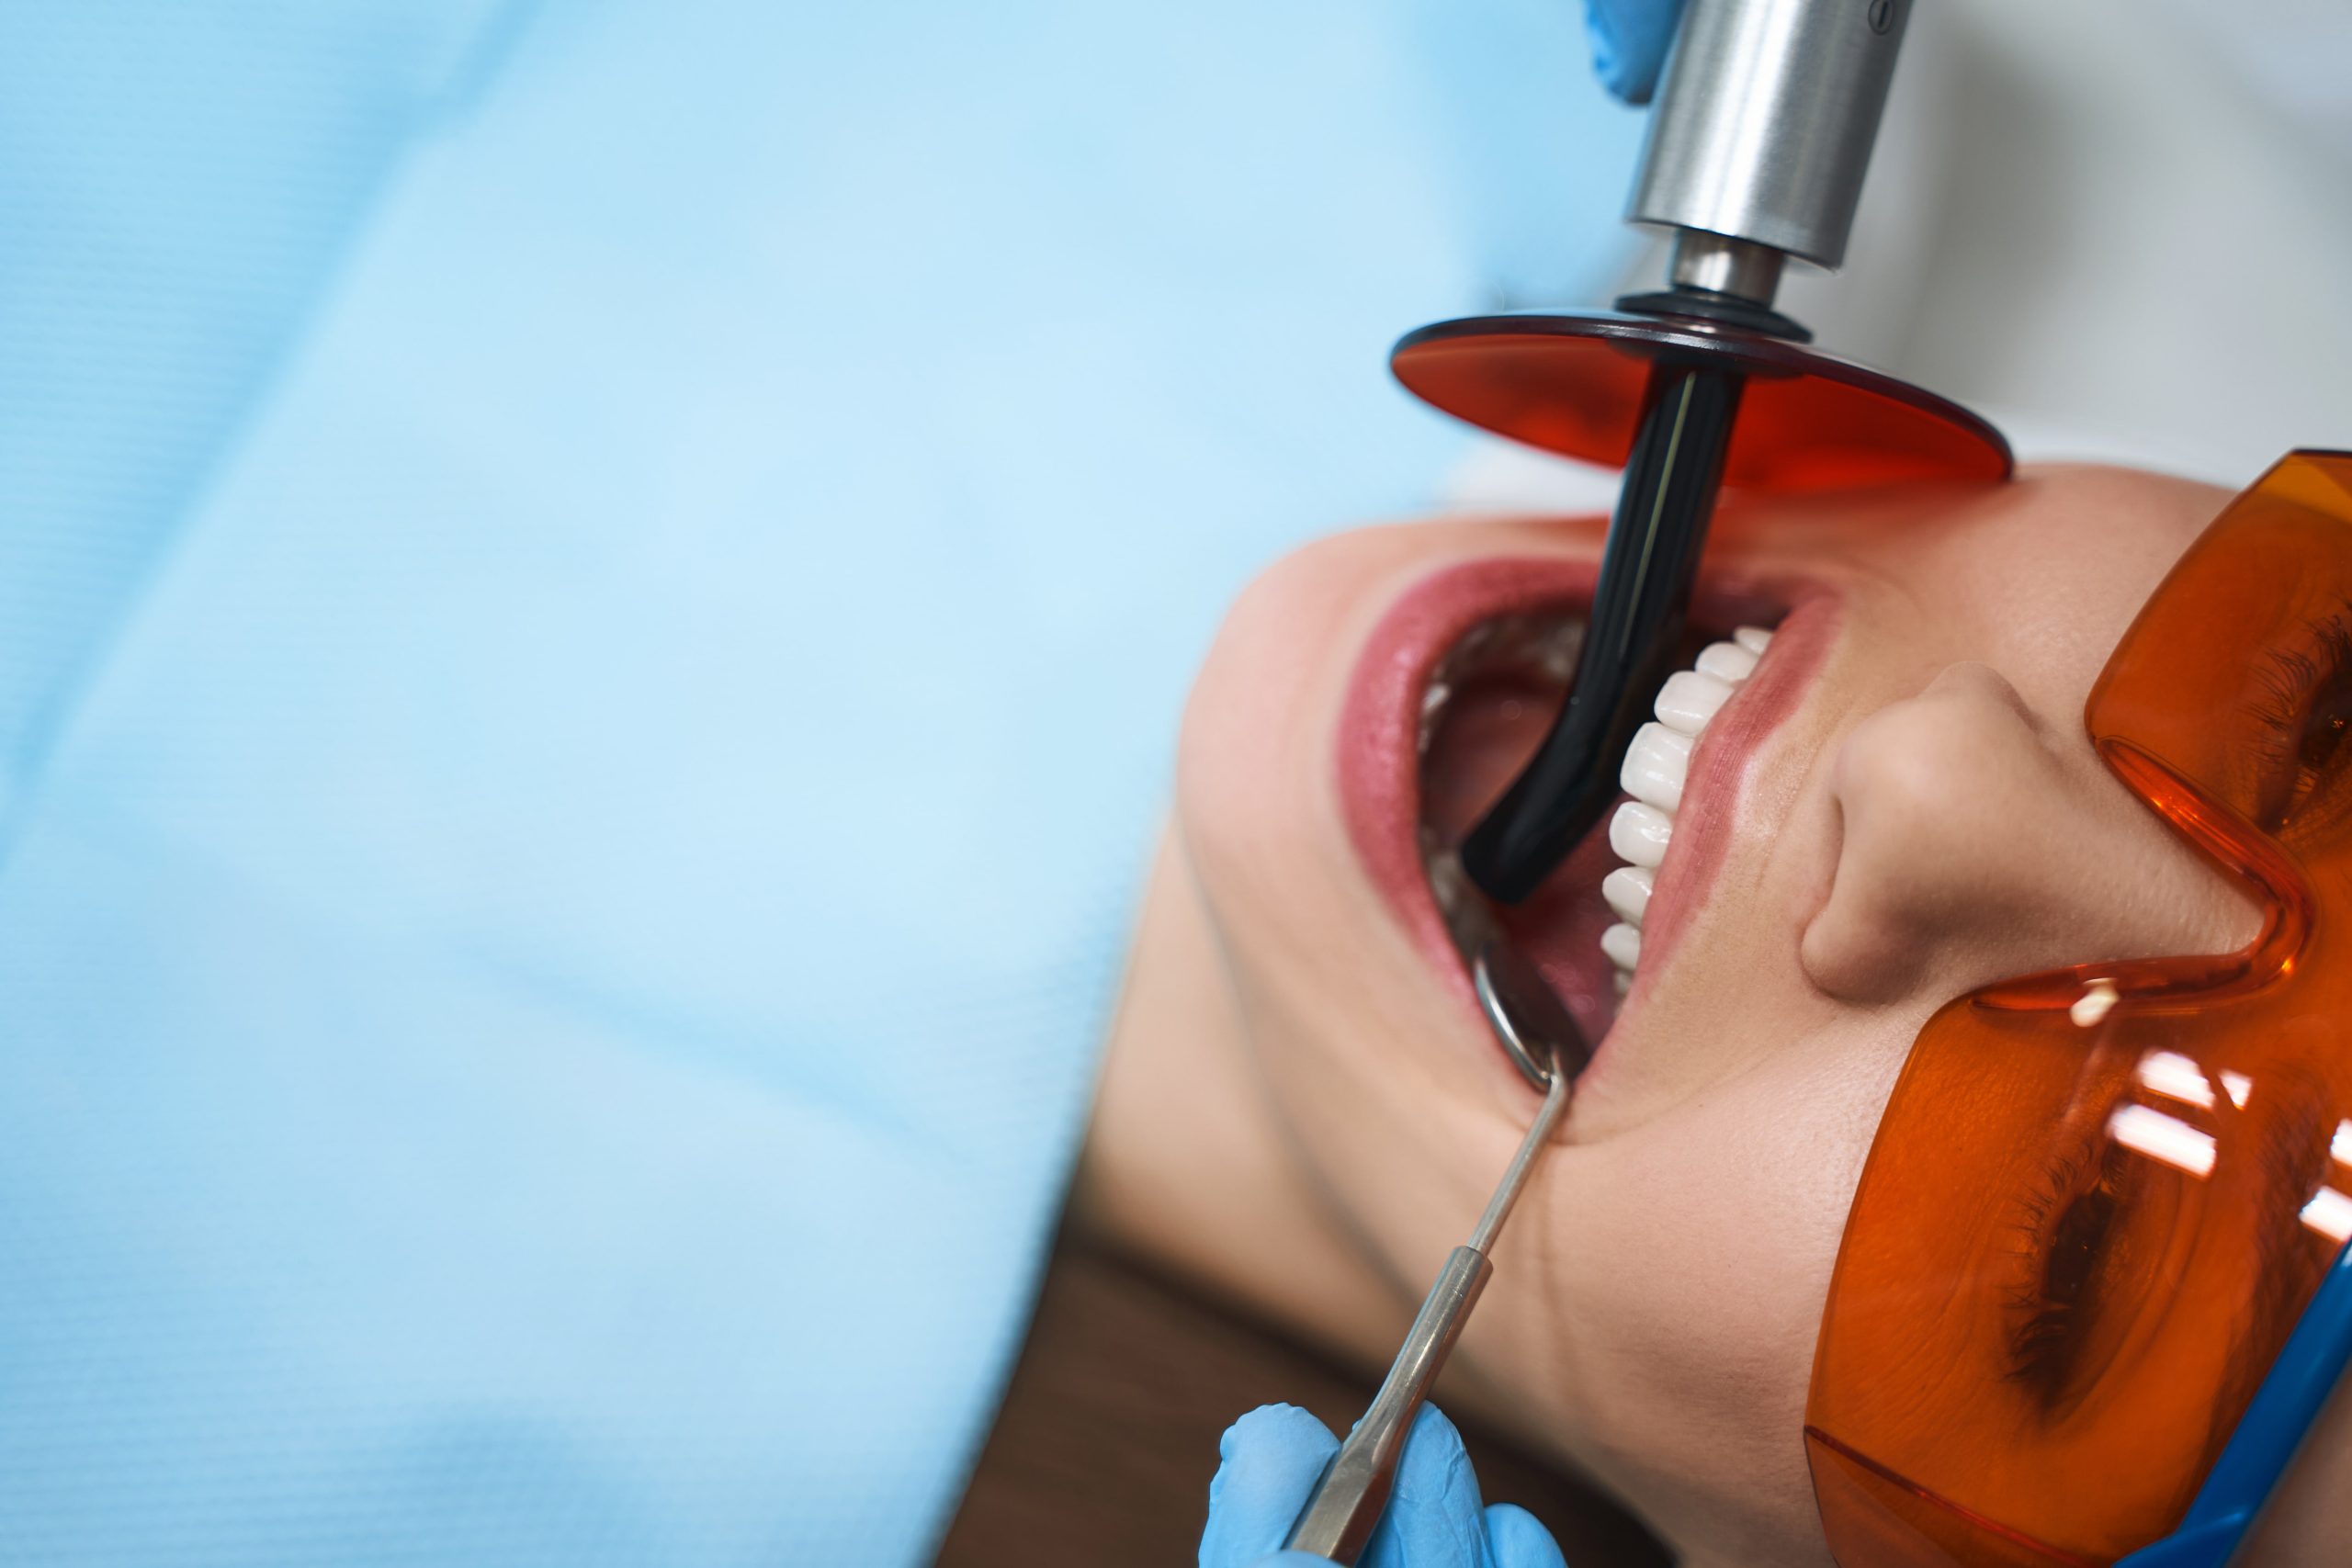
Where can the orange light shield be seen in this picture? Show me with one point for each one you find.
(2099, 1198)
(1809, 421)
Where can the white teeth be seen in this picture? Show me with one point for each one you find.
(1628, 891)
(1689, 700)
(1655, 771)
(1725, 662)
(1655, 766)
(1639, 833)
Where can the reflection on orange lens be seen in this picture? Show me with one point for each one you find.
(2100, 1198)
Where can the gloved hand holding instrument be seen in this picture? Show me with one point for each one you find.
(1272, 1457)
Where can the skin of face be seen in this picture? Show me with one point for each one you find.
(1303, 1110)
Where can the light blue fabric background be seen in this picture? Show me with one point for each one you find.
(593, 601)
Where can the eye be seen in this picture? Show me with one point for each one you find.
(2306, 719)
(2090, 1243)
(2324, 728)
(2065, 1237)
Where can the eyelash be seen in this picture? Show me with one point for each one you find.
(2046, 1331)
(2298, 684)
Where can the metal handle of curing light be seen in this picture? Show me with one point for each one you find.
(1354, 1492)
(1762, 133)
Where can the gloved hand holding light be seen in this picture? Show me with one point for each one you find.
(1629, 43)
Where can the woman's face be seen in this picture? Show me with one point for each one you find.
(1897, 804)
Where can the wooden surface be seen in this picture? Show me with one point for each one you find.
(1104, 1451)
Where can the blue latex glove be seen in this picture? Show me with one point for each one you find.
(1629, 39)
(1272, 1457)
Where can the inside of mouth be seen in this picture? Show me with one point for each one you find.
(1490, 702)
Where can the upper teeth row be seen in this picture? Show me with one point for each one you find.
(1653, 775)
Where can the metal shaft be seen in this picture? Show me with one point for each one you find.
(1765, 122)
(1523, 1164)
(1639, 608)
(1340, 1517)
(1348, 1501)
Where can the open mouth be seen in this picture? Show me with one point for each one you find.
(1454, 689)
(1486, 706)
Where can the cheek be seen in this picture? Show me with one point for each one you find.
(1727, 1237)
(1694, 1253)
(2047, 588)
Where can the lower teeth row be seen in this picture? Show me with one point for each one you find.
(1653, 775)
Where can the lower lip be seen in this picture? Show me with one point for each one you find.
(1378, 753)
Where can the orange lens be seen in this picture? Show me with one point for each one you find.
(2100, 1198)
(1808, 421)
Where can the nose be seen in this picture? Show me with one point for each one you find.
(1981, 842)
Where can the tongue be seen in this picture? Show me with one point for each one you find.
(1491, 726)
(1559, 928)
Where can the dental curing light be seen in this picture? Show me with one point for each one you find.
(1756, 153)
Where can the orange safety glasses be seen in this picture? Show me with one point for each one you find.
(2100, 1199)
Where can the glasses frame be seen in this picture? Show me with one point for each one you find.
(2268, 1435)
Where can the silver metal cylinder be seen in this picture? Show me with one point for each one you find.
(1348, 1501)
(1701, 259)
(1764, 125)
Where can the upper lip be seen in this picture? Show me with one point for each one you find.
(1379, 764)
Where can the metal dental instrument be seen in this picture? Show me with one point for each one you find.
(1340, 1517)
(1757, 148)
